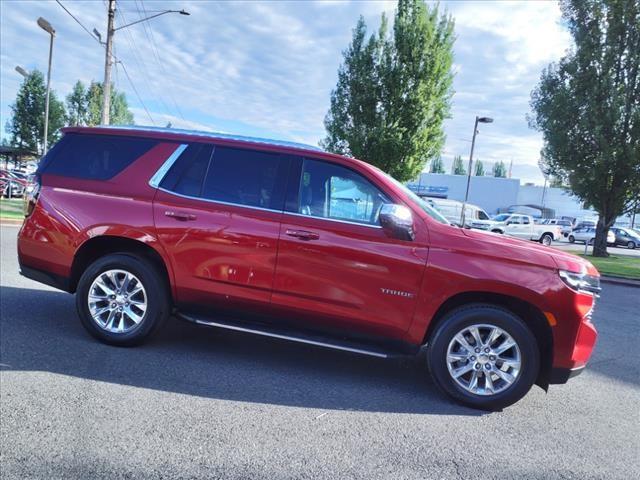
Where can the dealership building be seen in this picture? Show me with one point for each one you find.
(497, 195)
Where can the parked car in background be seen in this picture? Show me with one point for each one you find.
(285, 240)
(626, 237)
(585, 224)
(452, 211)
(587, 235)
(12, 184)
(523, 227)
(565, 225)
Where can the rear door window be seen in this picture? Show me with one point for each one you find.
(187, 174)
(94, 157)
(247, 177)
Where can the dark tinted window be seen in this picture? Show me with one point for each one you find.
(247, 177)
(96, 157)
(332, 191)
(187, 173)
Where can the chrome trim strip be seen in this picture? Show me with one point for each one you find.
(333, 220)
(284, 337)
(168, 163)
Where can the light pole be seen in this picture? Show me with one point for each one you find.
(473, 143)
(46, 26)
(111, 30)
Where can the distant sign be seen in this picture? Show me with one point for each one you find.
(428, 190)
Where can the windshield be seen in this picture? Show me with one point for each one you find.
(433, 213)
(502, 217)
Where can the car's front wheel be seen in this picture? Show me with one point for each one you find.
(483, 356)
(122, 299)
(572, 239)
(631, 245)
(546, 239)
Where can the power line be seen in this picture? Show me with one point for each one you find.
(159, 58)
(116, 59)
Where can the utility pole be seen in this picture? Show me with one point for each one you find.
(106, 86)
(46, 26)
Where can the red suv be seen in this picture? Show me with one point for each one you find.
(288, 241)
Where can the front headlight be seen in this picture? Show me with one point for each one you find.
(581, 282)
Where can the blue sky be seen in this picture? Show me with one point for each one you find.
(267, 68)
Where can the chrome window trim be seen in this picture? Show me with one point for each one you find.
(231, 204)
(369, 225)
(168, 163)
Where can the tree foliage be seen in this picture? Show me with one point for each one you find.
(457, 168)
(26, 125)
(119, 113)
(479, 170)
(437, 166)
(587, 107)
(394, 91)
(500, 169)
(77, 112)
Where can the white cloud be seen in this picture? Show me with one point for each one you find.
(267, 68)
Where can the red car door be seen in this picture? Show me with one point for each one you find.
(217, 213)
(336, 264)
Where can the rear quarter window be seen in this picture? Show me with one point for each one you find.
(94, 157)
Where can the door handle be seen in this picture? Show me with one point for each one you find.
(183, 216)
(303, 234)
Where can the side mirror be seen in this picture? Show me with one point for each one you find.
(397, 221)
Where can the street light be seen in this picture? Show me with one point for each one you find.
(473, 143)
(46, 26)
(22, 71)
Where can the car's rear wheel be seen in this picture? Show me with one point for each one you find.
(122, 299)
(546, 239)
(631, 245)
(483, 356)
(572, 239)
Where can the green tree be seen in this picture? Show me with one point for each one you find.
(394, 91)
(500, 169)
(436, 165)
(119, 113)
(26, 125)
(587, 107)
(479, 171)
(77, 110)
(457, 168)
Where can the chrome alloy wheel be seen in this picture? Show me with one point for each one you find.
(483, 359)
(117, 301)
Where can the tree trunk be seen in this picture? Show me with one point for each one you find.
(602, 229)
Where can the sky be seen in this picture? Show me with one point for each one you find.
(267, 68)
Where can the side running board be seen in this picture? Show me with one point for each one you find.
(293, 336)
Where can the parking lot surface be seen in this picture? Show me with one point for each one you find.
(204, 403)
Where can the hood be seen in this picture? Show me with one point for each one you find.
(525, 250)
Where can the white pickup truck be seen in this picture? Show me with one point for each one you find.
(522, 226)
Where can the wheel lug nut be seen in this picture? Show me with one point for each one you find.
(477, 350)
(492, 357)
(478, 366)
(126, 304)
(113, 305)
(473, 358)
(486, 350)
(487, 366)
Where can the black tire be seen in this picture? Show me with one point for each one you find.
(572, 239)
(158, 305)
(631, 245)
(469, 315)
(546, 239)
(592, 241)
(497, 231)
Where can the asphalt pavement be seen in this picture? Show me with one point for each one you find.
(204, 403)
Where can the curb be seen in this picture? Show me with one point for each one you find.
(620, 281)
